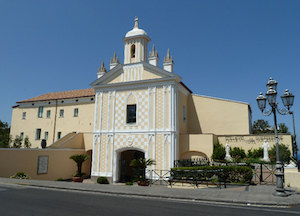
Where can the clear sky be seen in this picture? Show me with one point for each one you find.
(225, 49)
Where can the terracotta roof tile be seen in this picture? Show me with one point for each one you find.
(62, 95)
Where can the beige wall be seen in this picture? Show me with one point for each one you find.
(292, 178)
(254, 141)
(26, 160)
(191, 144)
(83, 123)
(218, 116)
(182, 102)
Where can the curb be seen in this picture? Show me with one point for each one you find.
(166, 197)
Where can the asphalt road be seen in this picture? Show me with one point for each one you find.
(24, 200)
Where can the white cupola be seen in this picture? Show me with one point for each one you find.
(135, 45)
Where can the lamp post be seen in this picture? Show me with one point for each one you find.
(287, 100)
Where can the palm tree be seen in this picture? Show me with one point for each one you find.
(142, 163)
(79, 159)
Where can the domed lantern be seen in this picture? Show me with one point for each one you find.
(287, 99)
(261, 101)
(272, 84)
(271, 96)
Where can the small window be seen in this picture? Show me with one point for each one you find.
(61, 113)
(58, 135)
(21, 135)
(40, 112)
(184, 114)
(24, 115)
(76, 112)
(46, 135)
(133, 51)
(48, 113)
(131, 113)
(38, 134)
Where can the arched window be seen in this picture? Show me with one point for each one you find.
(132, 51)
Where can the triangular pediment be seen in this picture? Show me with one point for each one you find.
(132, 73)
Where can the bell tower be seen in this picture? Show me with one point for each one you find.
(135, 45)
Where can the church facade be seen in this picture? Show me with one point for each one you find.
(142, 110)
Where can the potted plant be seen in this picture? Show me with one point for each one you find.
(79, 159)
(141, 164)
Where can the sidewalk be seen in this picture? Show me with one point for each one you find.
(248, 195)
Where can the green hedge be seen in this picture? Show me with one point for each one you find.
(232, 174)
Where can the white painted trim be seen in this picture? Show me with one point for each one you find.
(101, 105)
(114, 108)
(112, 154)
(115, 171)
(154, 108)
(158, 131)
(164, 107)
(165, 151)
(99, 152)
(149, 108)
(107, 153)
(109, 107)
(95, 137)
(170, 151)
(96, 111)
(154, 150)
(149, 145)
(170, 107)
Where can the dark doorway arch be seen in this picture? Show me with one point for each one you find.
(128, 173)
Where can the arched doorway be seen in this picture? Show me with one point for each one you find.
(127, 173)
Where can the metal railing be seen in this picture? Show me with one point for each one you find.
(192, 162)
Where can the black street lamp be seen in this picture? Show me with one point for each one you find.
(287, 100)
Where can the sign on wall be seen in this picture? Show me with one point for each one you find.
(42, 165)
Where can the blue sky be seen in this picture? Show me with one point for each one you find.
(225, 49)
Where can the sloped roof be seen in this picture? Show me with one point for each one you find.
(62, 95)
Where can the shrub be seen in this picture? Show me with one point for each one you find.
(20, 175)
(27, 143)
(17, 143)
(232, 174)
(129, 183)
(102, 180)
(237, 154)
(284, 153)
(255, 153)
(218, 152)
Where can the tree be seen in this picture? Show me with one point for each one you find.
(237, 153)
(142, 163)
(218, 152)
(282, 128)
(17, 143)
(5, 138)
(284, 153)
(27, 143)
(79, 159)
(261, 126)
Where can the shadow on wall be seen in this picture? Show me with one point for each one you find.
(194, 126)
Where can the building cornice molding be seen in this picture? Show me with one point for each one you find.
(136, 84)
